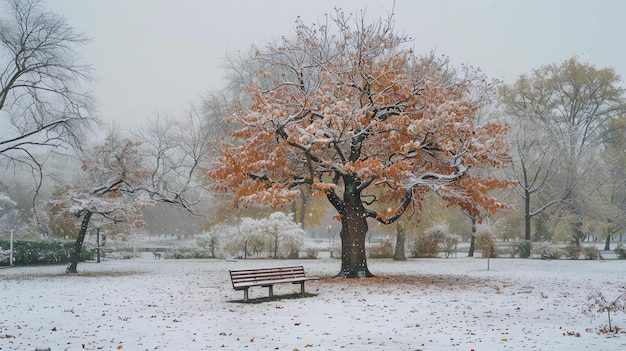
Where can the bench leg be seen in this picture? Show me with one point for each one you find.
(302, 288)
(271, 288)
(245, 295)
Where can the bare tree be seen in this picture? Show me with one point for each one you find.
(535, 171)
(43, 103)
(162, 165)
(613, 183)
(177, 154)
(571, 104)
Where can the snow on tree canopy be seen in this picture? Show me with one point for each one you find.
(358, 117)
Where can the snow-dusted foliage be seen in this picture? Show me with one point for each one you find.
(9, 215)
(210, 242)
(276, 236)
(286, 237)
(486, 240)
(116, 175)
(5, 201)
(546, 251)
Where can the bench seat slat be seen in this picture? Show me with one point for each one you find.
(241, 285)
(266, 277)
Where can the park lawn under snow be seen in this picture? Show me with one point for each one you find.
(422, 304)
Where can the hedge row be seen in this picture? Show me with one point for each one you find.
(27, 253)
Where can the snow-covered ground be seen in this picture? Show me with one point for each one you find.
(420, 304)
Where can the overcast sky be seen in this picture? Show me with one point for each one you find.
(156, 56)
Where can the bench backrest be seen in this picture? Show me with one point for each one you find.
(243, 276)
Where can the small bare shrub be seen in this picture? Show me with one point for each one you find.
(449, 244)
(383, 249)
(335, 251)
(209, 242)
(428, 244)
(573, 251)
(591, 253)
(311, 253)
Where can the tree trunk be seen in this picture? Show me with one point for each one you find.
(527, 216)
(578, 233)
(353, 258)
(353, 230)
(303, 208)
(400, 254)
(472, 238)
(78, 245)
(607, 243)
(98, 244)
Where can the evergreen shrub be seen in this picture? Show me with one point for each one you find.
(523, 248)
(620, 251)
(26, 252)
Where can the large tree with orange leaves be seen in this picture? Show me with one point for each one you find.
(355, 115)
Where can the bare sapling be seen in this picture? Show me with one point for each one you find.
(598, 304)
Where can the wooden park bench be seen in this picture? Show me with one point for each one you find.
(243, 279)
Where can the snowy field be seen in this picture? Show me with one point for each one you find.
(436, 304)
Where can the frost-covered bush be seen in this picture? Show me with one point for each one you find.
(572, 251)
(449, 244)
(546, 251)
(311, 253)
(4, 254)
(181, 253)
(335, 251)
(486, 243)
(434, 240)
(509, 251)
(276, 236)
(620, 251)
(486, 240)
(286, 236)
(591, 253)
(429, 243)
(210, 243)
(383, 249)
